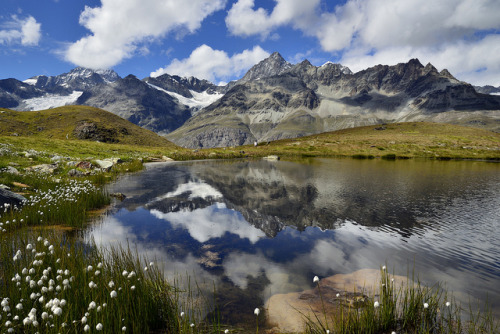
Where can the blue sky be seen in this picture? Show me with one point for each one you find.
(219, 40)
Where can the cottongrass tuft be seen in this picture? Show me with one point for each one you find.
(408, 308)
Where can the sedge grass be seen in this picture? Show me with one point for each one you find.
(406, 308)
(90, 287)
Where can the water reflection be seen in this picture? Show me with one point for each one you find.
(257, 228)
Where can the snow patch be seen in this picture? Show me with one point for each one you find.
(31, 81)
(198, 101)
(496, 93)
(49, 101)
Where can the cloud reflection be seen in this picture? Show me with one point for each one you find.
(211, 222)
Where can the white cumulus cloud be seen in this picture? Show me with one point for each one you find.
(213, 65)
(244, 20)
(364, 33)
(26, 31)
(121, 27)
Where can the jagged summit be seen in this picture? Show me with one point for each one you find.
(79, 79)
(275, 64)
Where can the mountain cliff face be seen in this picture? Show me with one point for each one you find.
(13, 92)
(138, 102)
(290, 101)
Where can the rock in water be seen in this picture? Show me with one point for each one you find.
(288, 311)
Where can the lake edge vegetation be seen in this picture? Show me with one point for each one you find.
(52, 207)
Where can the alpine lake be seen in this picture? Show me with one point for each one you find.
(251, 229)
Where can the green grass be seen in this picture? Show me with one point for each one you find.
(155, 305)
(404, 308)
(64, 269)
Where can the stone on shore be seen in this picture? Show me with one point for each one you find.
(10, 198)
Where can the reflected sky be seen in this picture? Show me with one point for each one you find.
(256, 228)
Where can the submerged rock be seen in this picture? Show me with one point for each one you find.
(289, 311)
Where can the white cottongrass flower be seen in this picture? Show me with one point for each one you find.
(384, 268)
(337, 295)
(99, 265)
(256, 311)
(111, 284)
(132, 287)
(45, 315)
(448, 304)
(92, 305)
(226, 331)
(57, 311)
(84, 320)
(393, 332)
(426, 305)
(192, 325)
(315, 279)
(19, 306)
(124, 273)
(113, 294)
(86, 328)
(182, 314)
(124, 329)
(98, 327)
(376, 304)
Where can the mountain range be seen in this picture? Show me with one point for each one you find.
(273, 100)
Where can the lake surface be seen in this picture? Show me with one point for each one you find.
(252, 229)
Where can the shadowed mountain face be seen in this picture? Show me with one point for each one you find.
(278, 100)
(136, 101)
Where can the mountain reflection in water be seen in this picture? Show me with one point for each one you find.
(257, 228)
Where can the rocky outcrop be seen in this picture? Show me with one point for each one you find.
(10, 199)
(92, 131)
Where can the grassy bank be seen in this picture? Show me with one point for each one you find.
(391, 141)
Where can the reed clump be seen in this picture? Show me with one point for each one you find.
(404, 308)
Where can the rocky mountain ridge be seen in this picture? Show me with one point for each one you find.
(305, 99)
(274, 99)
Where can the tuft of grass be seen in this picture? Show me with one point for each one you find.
(407, 308)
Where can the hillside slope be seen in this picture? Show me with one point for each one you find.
(77, 122)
